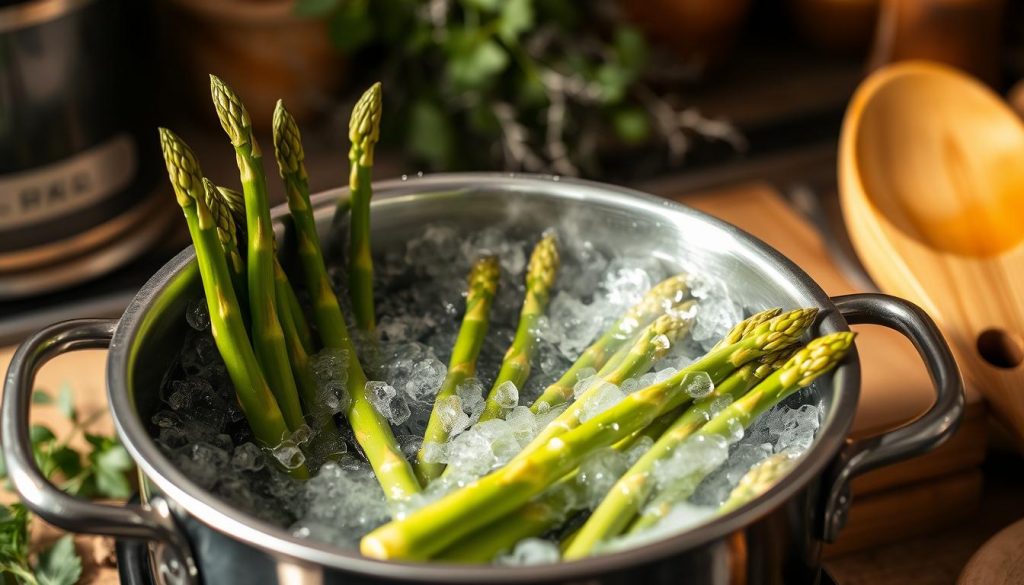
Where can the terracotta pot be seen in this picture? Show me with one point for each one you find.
(698, 31)
(262, 49)
(838, 26)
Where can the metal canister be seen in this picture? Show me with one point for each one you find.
(78, 152)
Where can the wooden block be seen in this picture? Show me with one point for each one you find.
(902, 513)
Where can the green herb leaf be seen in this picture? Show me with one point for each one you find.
(39, 435)
(476, 64)
(66, 402)
(631, 125)
(351, 27)
(516, 17)
(41, 397)
(484, 5)
(60, 565)
(110, 464)
(314, 8)
(430, 134)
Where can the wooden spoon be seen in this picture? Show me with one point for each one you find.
(931, 178)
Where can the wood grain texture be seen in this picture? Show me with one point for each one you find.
(898, 514)
(932, 190)
(1000, 561)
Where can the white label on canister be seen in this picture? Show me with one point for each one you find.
(61, 188)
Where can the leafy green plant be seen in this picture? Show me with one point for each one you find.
(541, 86)
(102, 471)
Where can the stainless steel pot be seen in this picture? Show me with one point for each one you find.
(775, 539)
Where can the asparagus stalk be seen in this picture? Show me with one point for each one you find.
(363, 131)
(483, 284)
(321, 419)
(254, 395)
(540, 515)
(662, 297)
(817, 358)
(436, 526)
(268, 338)
(744, 327)
(515, 367)
(651, 345)
(630, 492)
(372, 431)
(758, 480)
(235, 202)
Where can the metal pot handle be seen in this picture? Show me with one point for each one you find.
(152, 521)
(918, 437)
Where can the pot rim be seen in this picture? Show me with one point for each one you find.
(209, 510)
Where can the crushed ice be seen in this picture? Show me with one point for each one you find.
(420, 287)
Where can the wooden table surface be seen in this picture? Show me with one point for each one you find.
(934, 559)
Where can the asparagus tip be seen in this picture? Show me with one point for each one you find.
(233, 116)
(364, 125)
(544, 262)
(287, 141)
(816, 358)
(182, 167)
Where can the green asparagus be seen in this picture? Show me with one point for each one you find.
(254, 395)
(235, 202)
(372, 431)
(437, 525)
(817, 358)
(651, 345)
(363, 131)
(661, 298)
(758, 480)
(542, 514)
(630, 492)
(483, 284)
(268, 339)
(515, 367)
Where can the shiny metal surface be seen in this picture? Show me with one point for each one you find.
(150, 522)
(930, 429)
(770, 540)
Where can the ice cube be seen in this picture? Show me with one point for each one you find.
(532, 551)
(602, 398)
(523, 423)
(289, 455)
(599, 472)
(506, 396)
(197, 315)
(698, 385)
(247, 457)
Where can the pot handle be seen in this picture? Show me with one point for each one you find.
(916, 438)
(152, 521)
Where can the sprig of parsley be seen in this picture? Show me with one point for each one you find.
(102, 471)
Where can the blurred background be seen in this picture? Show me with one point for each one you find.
(733, 106)
(630, 92)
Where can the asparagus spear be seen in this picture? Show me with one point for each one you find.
(363, 131)
(321, 419)
(540, 515)
(663, 296)
(437, 525)
(745, 326)
(630, 492)
(515, 367)
(818, 357)
(651, 345)
(758, 480)
(254, 395)
(268, 339)
(371, 429)
(234, 202)
(483, 284)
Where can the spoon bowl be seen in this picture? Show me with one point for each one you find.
(931, 177)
